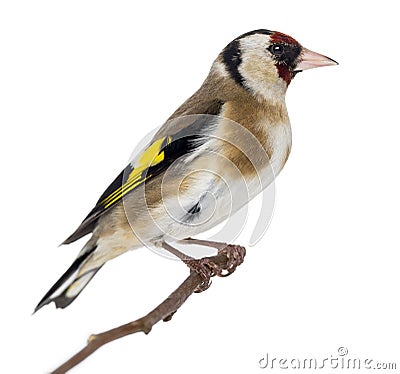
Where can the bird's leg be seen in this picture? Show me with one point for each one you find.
(176, 252)
(234, 253)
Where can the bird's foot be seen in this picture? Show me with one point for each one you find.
(207, 269)
(235, 255)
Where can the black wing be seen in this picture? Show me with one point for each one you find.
(154, 160)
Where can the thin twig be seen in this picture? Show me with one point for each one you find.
(164, 311)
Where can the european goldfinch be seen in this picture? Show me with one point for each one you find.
(219, 149)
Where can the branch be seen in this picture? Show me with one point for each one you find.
(164, 311)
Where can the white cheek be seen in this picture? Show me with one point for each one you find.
(261, 77)
(259, 71)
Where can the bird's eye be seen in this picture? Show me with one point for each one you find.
(276, 49)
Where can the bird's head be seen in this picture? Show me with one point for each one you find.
(264, 62)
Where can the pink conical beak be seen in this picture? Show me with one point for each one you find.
(311, 60)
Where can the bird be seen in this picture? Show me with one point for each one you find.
(218, 150)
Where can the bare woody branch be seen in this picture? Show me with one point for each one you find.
(164, 311)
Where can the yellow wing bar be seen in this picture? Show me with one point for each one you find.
(153, 155)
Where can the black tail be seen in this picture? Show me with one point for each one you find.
(66, 297)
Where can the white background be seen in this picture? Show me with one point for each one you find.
(81, 82)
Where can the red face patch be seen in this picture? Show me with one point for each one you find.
(278, 37)
(283, 70)
(284, 73)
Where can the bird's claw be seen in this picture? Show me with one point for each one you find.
(207, 269)
(235, 255)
